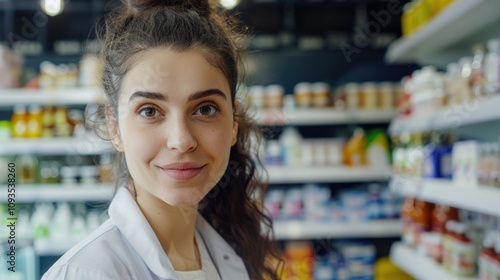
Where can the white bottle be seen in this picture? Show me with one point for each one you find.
(61, 223)
(291, 142)
(492, 67)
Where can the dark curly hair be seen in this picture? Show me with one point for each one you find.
(234, 205)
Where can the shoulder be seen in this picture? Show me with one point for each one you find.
(104, 254)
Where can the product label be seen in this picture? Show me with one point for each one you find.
(462, 258)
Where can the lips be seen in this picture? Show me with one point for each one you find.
(182, 171)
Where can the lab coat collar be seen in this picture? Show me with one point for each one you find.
(229, 264)
(130, 220)
(128, 217)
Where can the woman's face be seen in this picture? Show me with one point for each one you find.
(175, 125)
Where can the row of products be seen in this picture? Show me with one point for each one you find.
(469, 163)
(57, 224)
(52, 170)
(352, 96)
(345, 260)
(52, 76)
(369, 95)
(305, 95)
(47, 121)
(314, 202)
(293, 150)
(452, 237)
(471, 78)
(418, 12)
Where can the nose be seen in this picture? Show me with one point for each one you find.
(180, 136)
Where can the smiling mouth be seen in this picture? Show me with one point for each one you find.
(182, 174)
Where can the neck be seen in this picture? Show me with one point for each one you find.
(174, 228)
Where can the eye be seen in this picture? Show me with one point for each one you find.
(149, 112)
(207, 110)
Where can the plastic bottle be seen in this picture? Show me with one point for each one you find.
(486, 256)
(441, 214)
(291, 142)
(303, 94)
(27, 166)
(495, 264)
(477, 71)
(34, 126)
(407, 220)
(19, 121)
(48, 122)
(462, 257)
(422, 214)
(61, 223)
(465, 85)
(273, 153)
(492, 67)
(355, 150)
(448, 244)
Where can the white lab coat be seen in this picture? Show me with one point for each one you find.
(125, 247)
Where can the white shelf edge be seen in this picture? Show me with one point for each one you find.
(326, 174)
(28, 193)
(287, 230)
(482, 110)
(64, 145)
(419, 266)
(454, 25)
(63, 96)
(483, 199)
(321, 116)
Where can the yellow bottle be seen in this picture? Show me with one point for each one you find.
(18, 122)
(355, 149)
(34, 125)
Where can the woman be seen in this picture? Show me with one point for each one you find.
(184, 206)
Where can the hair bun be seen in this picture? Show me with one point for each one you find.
(202, 7)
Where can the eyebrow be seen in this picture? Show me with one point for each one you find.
(161, 97)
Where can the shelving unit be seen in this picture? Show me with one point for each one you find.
(450, 35)
(285, 230)
(69, 96)
(482, 110)
(483, 199)
(30, 193)
(86, 145)
(326, 174)
(322, 116)
(420, 266)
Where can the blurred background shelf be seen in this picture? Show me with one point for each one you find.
(29, 193)
(67, 96)
(285, 230)
(483, 110)
(420, 266)
(484, 199)
(49, 146)
(326, 174)
(322, 116)
(450, 35)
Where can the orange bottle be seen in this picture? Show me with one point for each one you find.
(48, 122)
(355, 149)
(422, 215)
(18, 122)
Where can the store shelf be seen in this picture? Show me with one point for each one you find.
(69, 96)
(420, 266)
(28, 193)
(316, 230)
(450, 35)
(325, 174)
(482, 199)
(479, 111)
(86, 145)
(321, 116)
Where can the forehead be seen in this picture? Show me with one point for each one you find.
(167, 71)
